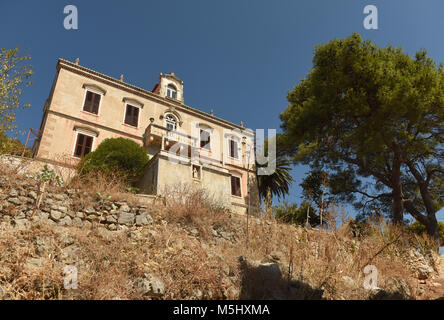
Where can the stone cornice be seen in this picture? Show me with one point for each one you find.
(94, 87)
(87, 129)
(170, 76)
(62, 63)
(133, 101)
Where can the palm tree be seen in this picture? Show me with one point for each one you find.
(276, 184)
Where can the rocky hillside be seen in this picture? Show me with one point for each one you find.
(185, 247)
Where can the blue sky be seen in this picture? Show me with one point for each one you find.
(238, 57)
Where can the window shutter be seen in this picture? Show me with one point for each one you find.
(92, 101)
(132, 115)
(235, 186)
(83, 145)
(96, 103)
(135, 116)
(233, 149)
(88, 101)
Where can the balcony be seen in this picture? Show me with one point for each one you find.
(156, 135)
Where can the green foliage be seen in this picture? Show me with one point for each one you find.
(46, 175)
(358, 228)
(116, 156)
(133, 190)
(14, 75)
(315, 187)
(419, 228)
(291, 213)
(103, 197)
(276, 184)
(372, 118)
(12, 146)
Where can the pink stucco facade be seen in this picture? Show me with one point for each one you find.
(64, 118)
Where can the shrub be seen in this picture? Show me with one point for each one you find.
(116, 156)
(12, 146)
(291, 213)
(419, 229)
(358, 228)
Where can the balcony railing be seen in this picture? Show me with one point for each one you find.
(155, 133)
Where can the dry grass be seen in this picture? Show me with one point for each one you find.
(107, 263)
(195, 266)
(193, 206)
(95, 183)
(321, 258)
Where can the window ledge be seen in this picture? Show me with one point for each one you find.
(89, 113)
(129, 126)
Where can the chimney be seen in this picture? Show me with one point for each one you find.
(242, 124)
(212, 112)
(121, 77)
(77, 61)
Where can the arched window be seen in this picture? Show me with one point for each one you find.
(171, 91)
(171, 122)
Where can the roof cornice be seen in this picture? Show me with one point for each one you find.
(62, 63)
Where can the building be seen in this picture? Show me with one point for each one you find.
(184, 144)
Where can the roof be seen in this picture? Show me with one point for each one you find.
(146, 93)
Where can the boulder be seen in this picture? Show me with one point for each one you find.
(13, 193)
(65, 221)
(277, 257)
(32, 195)
(126, 218)
(66, 239)
(143, 219)
(62, 209)
(124, 208)
(15, 201)
(77, 222)
(22, 224)
(264, 281)
(55, 215)
(395, 289)
(111, 219)
(87, 224)
(90, 210)
(150, 285)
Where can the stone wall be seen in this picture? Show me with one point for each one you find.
(22, 165)
(68, 207)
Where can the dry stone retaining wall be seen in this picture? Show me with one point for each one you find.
(18, 203)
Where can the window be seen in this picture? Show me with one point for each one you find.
(171, 91)
(132, 115)
(233, 148)
(170, 122)
(204, 139)
(92, 102)
(235, 186)
(83, 145)
(196, 172)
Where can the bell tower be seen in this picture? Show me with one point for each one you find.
(169, 86)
